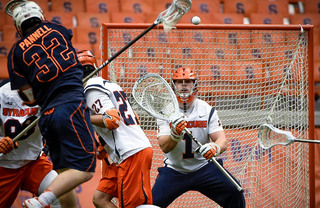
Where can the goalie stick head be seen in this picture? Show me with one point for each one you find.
(184, 74)
(88, 61)
(25, 14)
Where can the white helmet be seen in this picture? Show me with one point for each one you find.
(23, 10)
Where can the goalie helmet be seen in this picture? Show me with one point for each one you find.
(185, 73)
(25, 14)
(88, 61)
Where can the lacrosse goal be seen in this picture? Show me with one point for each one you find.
(252, 74)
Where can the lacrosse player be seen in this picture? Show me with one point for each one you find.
(187, 167)
(24, 165)
(128, 177)
(44, 68)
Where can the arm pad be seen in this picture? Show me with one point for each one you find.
(27, 96)
(111, 119)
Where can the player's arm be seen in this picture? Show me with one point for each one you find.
(169, 142)
(219, 138)
(105, 115)
(26, 94)
(214, 148)
(110, 119)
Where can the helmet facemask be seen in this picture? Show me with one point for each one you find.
(185, 95)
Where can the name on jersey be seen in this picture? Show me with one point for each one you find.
(20, 112)
(34, 37)
(196, 124)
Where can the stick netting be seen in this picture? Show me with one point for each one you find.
(154, 96)
(269, 137)
(251, 76)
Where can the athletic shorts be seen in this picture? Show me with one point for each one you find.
(129, 181)
(70, 136)
(28, 177)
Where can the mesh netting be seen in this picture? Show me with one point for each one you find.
(269, 137)
(251, 76)
(152, 94)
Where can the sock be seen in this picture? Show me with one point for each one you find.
(47, 197)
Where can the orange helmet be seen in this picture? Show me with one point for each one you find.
(185, 73)
(88, 61)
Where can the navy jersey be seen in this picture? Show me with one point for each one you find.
(46, 59)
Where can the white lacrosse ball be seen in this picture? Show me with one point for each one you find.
(196, 20)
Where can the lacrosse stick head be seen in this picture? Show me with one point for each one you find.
(155, 96)
(269, 136)
(12, 5)
(171, 16)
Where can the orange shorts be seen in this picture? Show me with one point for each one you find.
(26, 178)
(129, 181)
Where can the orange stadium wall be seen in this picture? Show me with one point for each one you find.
(86, 190)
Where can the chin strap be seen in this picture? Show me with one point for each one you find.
(185, 107)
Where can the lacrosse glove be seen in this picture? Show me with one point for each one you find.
(177, 127)
(111, 119)
(7, 145)
(209, 150)
(101, 152)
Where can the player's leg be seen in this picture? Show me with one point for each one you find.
(168, 186)
(215, 185)
(68, 200)
(70, 138)
(10, 180)
(38, 176)
(107, 187)
(103, 200)
(134, 185)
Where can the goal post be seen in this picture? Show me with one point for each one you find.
(252, 74)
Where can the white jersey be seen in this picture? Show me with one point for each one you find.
(128, 138)
(202, 120)
(13, 114)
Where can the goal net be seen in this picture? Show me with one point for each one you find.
(251, 74)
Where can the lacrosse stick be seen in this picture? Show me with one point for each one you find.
(169, 18)
(269, 136)
(154, 95)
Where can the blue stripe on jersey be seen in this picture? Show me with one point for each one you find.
(210, 115)
(96, 86)
(4, 82)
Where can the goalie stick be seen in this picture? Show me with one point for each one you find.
(269, 136)
(169, 18)
(154, 95)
